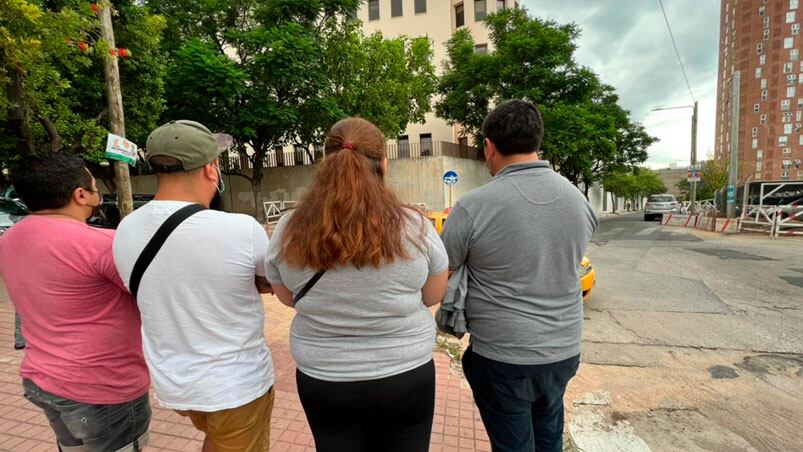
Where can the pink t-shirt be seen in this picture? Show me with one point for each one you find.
(81, 325)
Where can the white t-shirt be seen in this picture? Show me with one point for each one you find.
(202, 317)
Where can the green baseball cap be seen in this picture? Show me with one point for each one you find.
(189, 142)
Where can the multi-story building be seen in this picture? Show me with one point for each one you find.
(438, 20)
(761, 39)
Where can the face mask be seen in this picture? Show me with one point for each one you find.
(95, 207)
(221, 186)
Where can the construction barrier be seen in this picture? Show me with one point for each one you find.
(673, 219)
(728, 225)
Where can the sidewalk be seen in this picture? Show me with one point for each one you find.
(23, 427)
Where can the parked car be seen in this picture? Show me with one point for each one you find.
(108, 214)
(588, 276)
(657, 205)
(11, 212)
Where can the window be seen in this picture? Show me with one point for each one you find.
(396, 9)
(755, 143)
(791, 79)
(403, 143)
(790, 17)
(763, 83)
(758, 72)
(763, 94)
(500, 5)
(785, 103)
(481, 48)
(762, 119)
(790, 91)
(479, 10)
(793, 4)
(801, 139)
(787, 151)
(759, 165)
(766, 34)
(784, 174)
(787, 68)
(459, 16)
(756, 108)
(426, 144)
(420, 6)
(786, 117)
(759, 154)
(766, 22)
(783, 140)
(788, 43)
(787, 129)
(758, 176)
(795, 29)
(755, 132)
(794, 54)
(761, 11)
(799, 115)
(759, 48)
(373, 9)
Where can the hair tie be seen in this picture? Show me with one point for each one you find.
(348, 145)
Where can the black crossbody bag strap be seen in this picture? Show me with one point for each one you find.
(308, 286)
(155, 244)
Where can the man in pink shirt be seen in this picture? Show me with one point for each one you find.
(83, 363)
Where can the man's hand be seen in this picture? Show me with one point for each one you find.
(263, 286)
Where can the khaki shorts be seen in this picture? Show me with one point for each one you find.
(242, 429)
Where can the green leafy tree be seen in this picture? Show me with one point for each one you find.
(633, 185)
(51, 75)
(278, 72)
(587, 134)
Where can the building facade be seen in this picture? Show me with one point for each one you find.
(761, 40)
(437, 20)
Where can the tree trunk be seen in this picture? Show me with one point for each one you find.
(19, 115)
(256, 182)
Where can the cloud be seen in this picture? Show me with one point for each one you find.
(627, 44)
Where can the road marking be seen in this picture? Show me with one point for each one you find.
(647, 231)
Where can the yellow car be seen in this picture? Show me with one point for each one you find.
(588, 277)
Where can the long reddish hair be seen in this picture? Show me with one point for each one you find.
(349, 215)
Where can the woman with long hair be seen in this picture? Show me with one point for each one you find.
(360, 268)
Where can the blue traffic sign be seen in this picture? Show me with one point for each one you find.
(730, 193)
(450, 178)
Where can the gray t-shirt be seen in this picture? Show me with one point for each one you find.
(363, 324)
(522, 237)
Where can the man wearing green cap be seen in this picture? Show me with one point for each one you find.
(192, 271)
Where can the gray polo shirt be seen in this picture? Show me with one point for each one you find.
(522, 237)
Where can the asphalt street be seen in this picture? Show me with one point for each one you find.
(693, 341)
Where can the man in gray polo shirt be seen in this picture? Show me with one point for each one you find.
(521, 238)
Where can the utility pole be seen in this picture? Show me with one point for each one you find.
(693, 194)
(733, 145)
(111, 71)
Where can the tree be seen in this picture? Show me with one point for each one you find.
(50, 71)
(282, 72)
(587, 134)
(633, 185)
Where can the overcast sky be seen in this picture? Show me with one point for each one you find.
(627, 44)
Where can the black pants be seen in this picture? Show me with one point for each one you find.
(521, 406)
(388, 414)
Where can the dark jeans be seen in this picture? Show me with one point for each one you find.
(87, 427)
(521, 406)
(388, 414)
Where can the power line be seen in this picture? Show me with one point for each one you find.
(677, 53)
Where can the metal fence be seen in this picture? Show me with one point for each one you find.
(230, 161)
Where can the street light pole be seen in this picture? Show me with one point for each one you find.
(111, 71)
(733, 145)
(693, 194)
(693, 191)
